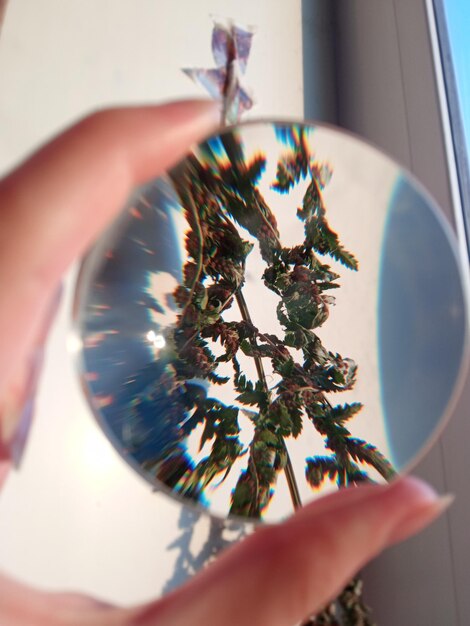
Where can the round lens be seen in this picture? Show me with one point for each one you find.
(281, 315)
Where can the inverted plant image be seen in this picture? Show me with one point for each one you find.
(252, 330)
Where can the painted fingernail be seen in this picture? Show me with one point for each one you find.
(420, 515)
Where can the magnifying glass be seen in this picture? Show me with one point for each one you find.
(282, 315)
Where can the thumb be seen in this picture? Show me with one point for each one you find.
(283, 573)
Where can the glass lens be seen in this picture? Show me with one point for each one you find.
(281, 315)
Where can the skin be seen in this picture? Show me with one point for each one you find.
(51, 208)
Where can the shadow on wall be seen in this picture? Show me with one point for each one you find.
(200, 540)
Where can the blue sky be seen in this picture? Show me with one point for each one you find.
(458, 18)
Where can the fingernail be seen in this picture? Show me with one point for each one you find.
(420, 514)
(205, 109)
(213, 107)
(214, 111)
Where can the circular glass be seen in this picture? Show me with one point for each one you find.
(280, 315)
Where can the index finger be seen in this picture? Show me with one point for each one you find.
(53, 206)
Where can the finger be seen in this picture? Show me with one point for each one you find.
(58, 201)
(63, 196)
(282, 573)
(55, 204)
(22, 606)
(274, 578)
(18, 402)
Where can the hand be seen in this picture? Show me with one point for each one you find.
(51, 209)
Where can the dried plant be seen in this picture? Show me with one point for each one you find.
(225, 209)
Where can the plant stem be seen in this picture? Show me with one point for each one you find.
(288, 470)
(236, 159)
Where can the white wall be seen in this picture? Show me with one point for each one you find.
(75, 516)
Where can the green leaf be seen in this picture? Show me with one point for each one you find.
(297, 422)
(207, 434)
(255, 169)
(281, 316)
(284, 421)
(310, 203)
(227, 417)
(367, 453)
(218, 380)
(285, 175)
(326, 285)
(242, 384)
(325, 241)
(269, 438)
(244, 501)
(298, 337)
(285, 368)
(246, 347)
(343, 413)
(319, 468)
(281, 459)
(251, 398)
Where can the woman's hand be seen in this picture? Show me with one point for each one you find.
(51, 209)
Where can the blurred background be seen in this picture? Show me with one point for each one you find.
(395, 72)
